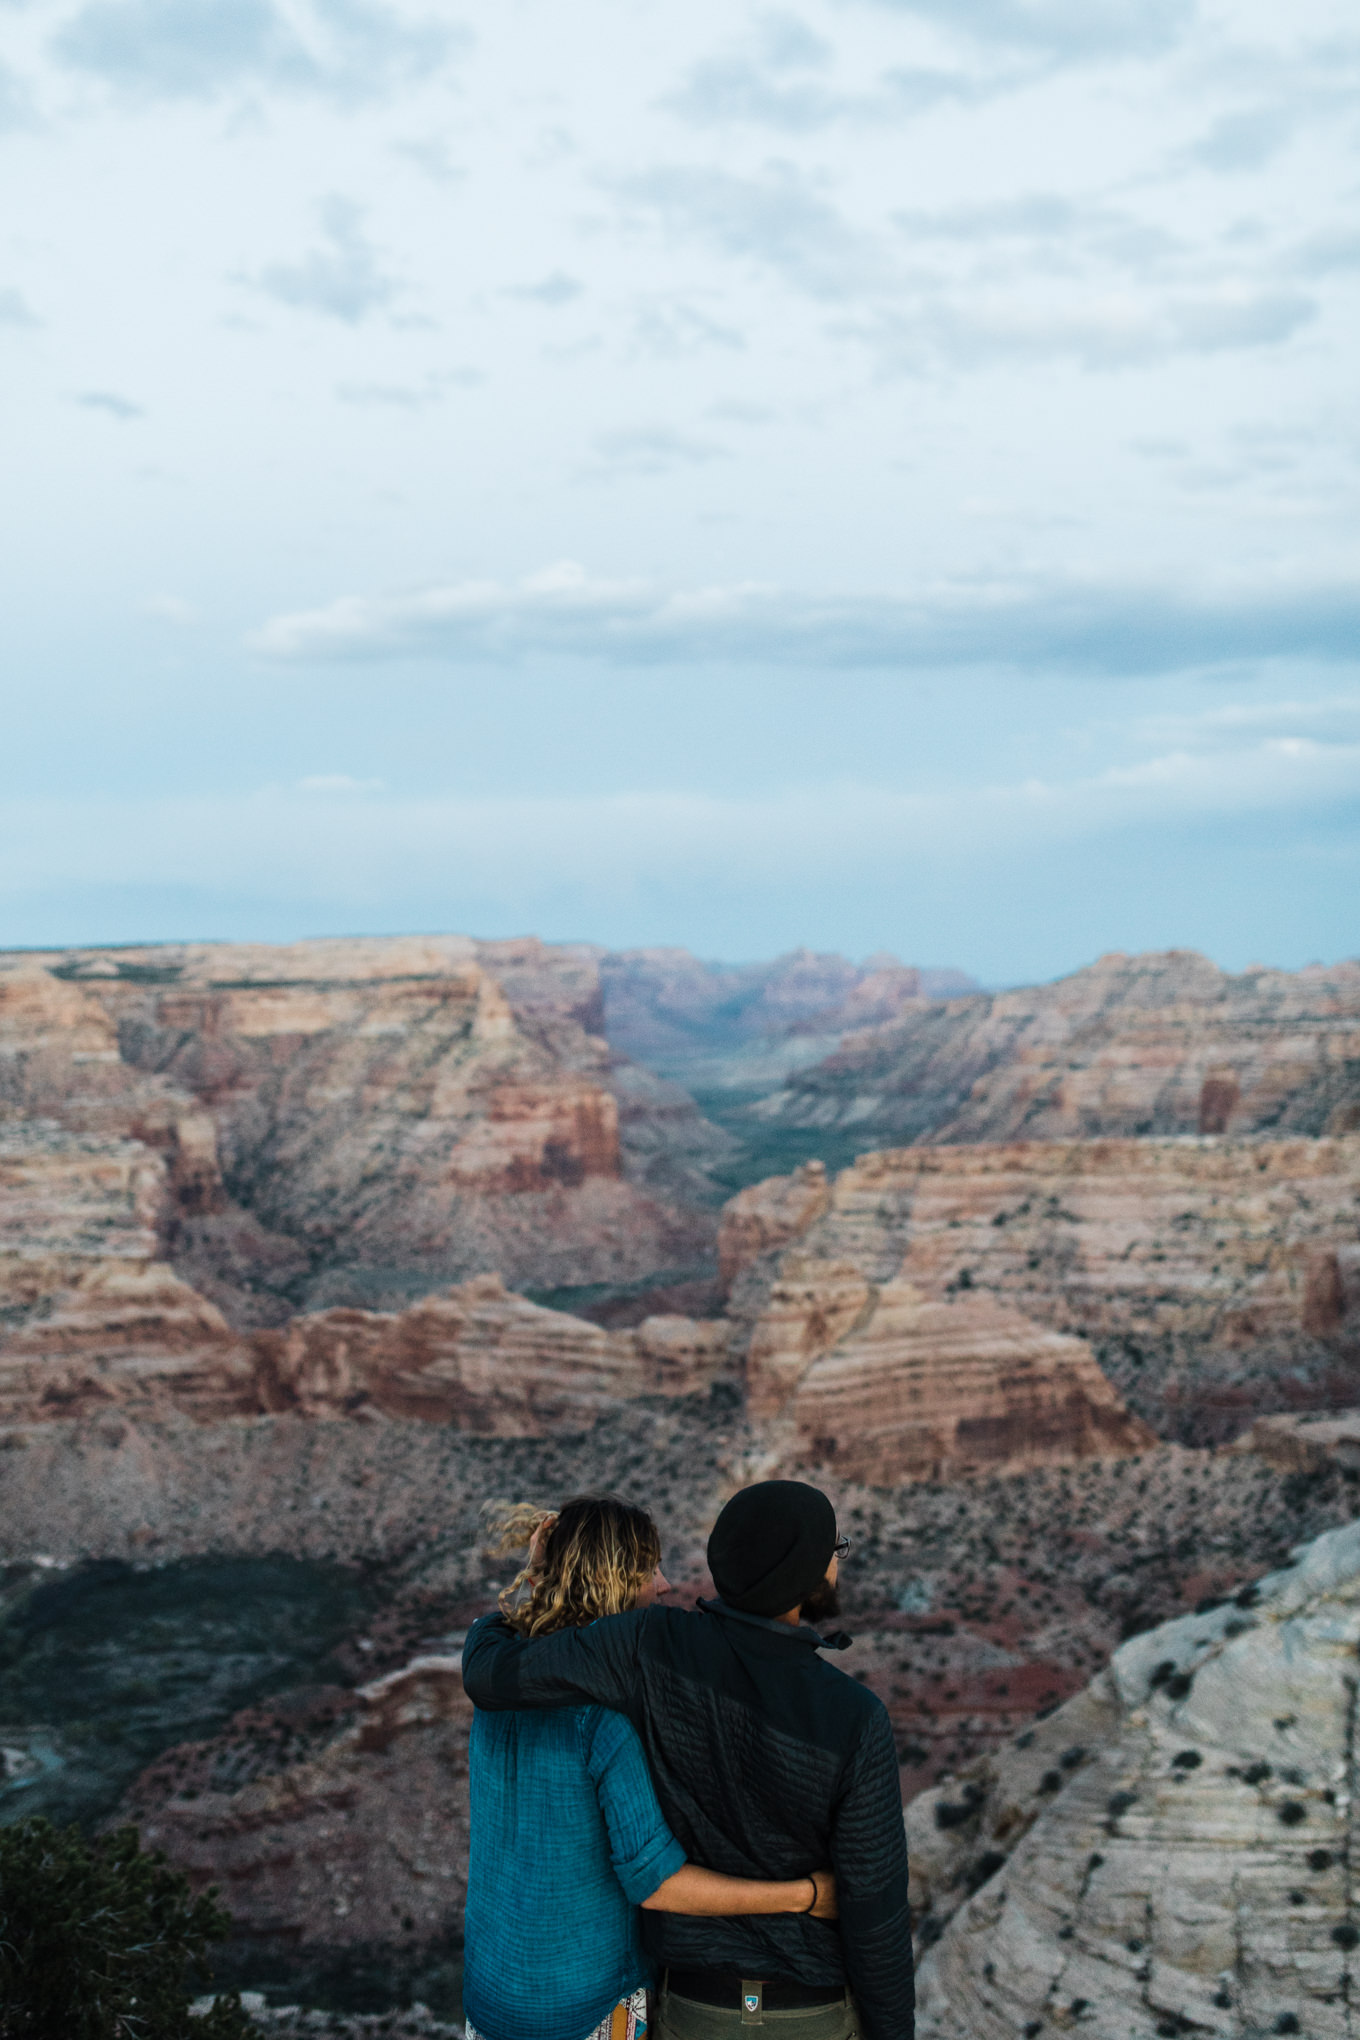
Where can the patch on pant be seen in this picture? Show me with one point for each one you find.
(752, 1998)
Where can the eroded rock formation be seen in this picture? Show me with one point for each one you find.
(1184, 1864)
(1164, 1043)
(365, 1841)
(484, 1359)
(887, 1384)
(354, 1122)
(719, 1026)
(1215, 1280)
(92, 1318)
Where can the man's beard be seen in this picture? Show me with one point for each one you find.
(821, 1603)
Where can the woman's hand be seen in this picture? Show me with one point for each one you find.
(825, 1884)
(536, 1542)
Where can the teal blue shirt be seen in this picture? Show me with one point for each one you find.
(566, 1839)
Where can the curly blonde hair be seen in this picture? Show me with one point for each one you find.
(594, 1558)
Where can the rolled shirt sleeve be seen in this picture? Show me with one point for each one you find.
(642, 1848)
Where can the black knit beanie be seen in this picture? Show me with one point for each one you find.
(771, 1545)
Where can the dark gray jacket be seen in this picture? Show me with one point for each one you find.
(767, 1762)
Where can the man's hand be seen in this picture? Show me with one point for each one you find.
(825, 1883)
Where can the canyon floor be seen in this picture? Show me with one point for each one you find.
(977, 1607)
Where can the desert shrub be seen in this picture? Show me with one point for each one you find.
(101, 1940)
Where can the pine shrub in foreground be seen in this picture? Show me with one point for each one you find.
(99, 1940)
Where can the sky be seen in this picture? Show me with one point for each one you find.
(879, 474)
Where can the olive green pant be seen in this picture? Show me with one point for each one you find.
(681, 2019)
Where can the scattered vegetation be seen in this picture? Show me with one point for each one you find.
(100, 1940)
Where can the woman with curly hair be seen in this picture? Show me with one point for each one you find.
(567, 1839)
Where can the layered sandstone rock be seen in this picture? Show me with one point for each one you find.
(1184, 1865)
(885, 1384)
(353, 1122)
(1164, 1043)
(1216, 1280)
(92, 1317)
(767, 1216)
(1305, 1444)
(364, 1842)
(483, 1359)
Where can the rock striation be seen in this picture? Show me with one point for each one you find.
(483, 1359)
(91, 1318)
(1215, 1280)
(358, 1121)
(886, 1384)
(1163, 1043)
(1184, 1865)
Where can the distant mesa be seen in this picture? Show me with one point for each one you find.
(1151, 1045)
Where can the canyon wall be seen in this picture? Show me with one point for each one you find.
(358, 1121)
(1215, 1280)
(1184, 1864)
(878, 1380)
(883, 1383)
(364, 1840)
(733, 1026)
(91, 1318)
(1163, 1043)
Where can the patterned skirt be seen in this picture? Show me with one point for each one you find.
(627, 2021)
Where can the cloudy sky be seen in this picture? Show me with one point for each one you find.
(874, 474)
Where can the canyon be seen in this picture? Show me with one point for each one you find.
(1164, 1043)
(319, 1249)
(357, 1122)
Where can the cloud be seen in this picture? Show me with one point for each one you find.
(1333, 720)
(338, 783)
(780, 220)
(556, 289)
(650, 450)
(668, 329)
(777, 79)
(434, 157)
(1103, 330)
(409, 396)
(171, 49)
(1071, 30)
(1037, 625)
(109, 400)
(1327, 254)
(1246, 139)
(14, 309)
(343, 280)
(169, 609)
(1038, 224)
(16, 105)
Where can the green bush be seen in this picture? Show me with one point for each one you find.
(99, 1940)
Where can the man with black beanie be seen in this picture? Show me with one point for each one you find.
(767, 1762)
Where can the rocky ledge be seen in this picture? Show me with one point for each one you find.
(1172, 1852)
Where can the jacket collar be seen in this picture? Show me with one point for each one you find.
(804, 1633)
